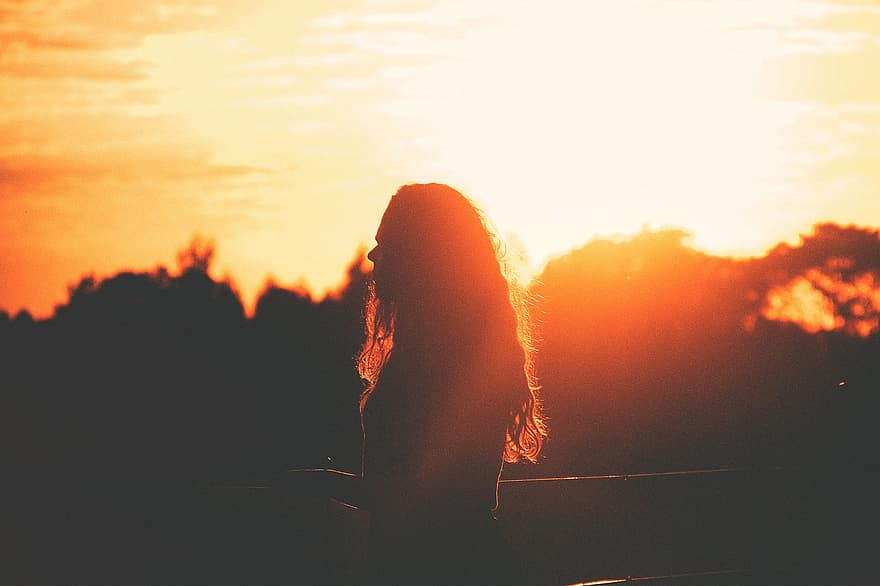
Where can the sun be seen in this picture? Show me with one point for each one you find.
(586, 122)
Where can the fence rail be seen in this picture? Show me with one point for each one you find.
(726, 525)
(764, 525)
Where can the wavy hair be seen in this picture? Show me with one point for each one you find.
(454, 281)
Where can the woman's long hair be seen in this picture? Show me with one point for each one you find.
(446, 280)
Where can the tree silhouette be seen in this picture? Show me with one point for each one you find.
(197, 256)
(654, 356)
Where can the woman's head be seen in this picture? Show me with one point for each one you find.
(439, 279)
(433, 246)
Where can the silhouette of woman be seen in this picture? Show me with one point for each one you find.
(451, 394)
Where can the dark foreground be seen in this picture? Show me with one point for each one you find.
(736, 526)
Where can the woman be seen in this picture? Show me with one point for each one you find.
(450, 395)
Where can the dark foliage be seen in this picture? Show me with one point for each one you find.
(653, 356)
(658, 357)
(144, 387)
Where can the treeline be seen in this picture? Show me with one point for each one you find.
(164, 374)
(658, 357)
(652, 356)
(146, 389)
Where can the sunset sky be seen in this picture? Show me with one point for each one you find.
(281, 128)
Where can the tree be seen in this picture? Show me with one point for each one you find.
(197, 256)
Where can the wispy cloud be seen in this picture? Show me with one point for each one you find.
(68, 67)
(28, 175)
(831, 77)
(103, 24)
(87, 39)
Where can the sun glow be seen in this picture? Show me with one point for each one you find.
(582, 121)
(824, 301)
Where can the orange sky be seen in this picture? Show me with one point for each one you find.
(281, 128)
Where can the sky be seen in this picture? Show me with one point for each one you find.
(281, 129)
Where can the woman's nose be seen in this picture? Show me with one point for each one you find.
(373, 254)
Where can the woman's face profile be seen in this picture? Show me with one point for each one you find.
(375, 256)
(382, 256)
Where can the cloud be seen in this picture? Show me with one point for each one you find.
(18, 38)
(849, 16)
(90, 25)
(835, 77)
(22, 175)
(88, 39)
(65, 67)
(838, 149)
(823, 53)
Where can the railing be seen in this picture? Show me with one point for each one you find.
(734, 525)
